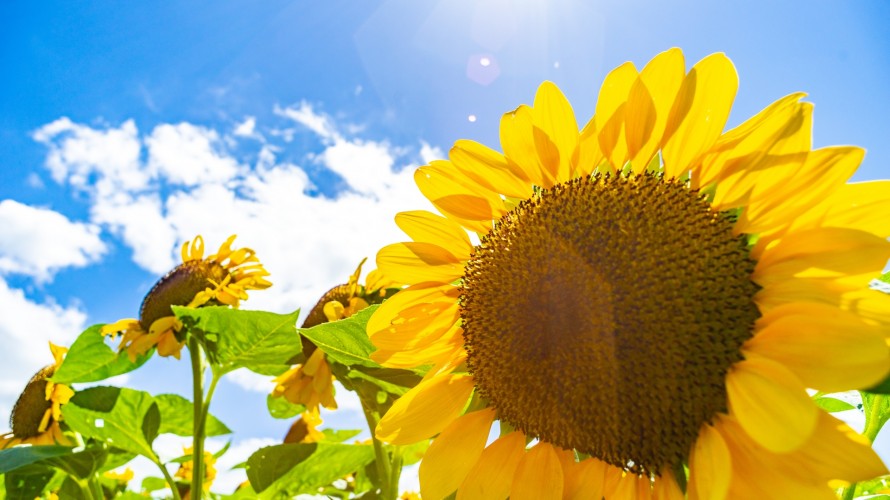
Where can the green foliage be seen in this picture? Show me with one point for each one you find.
(292, 469)
(27, 483)
(177, 417)
(280, 407)
(338, 436)
(150, 484)
(15, 458)
(346, 343)
(243, 339)
(833, 405)
(111, 414)
(91, 359)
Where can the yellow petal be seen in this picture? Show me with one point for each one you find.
(412, 262)
(823, 253)
(610, 112)
(454, 453)
(587, 155)
(538, 475)
(709, 465)
(583, 479)
(666, 487)
(488, 168)
(824, 172)
(426, 227)
(649, 104)
(863, 205)
(452, 194)
(553, 115)
(517, 140)
(421, 325)
(426, 409)
(699, 113)
(828, 349)
(492, 475)
(838, 452)
(445, 348)
(406, 306)
(632, 487)
(771, 404)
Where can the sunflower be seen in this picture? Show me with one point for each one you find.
(649, 295)
(186, 470)
(36, 414)
(311, 383)
(221, 278)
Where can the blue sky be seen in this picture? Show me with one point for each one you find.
(127, 128)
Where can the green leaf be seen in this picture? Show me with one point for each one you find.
(90, 359)
(150, 484)
(280, 407)
(885, 277)
(27, 483)
(82, 464)
(391, 380)
(112, 414)
(832, 405)
(14, 458)
(250, 339)
(338, 436)
(177, 417)
(291, 469)
(345, 341)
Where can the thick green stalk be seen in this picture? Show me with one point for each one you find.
(170, 480)
(873, 423)
(197, 488)
(381, 458)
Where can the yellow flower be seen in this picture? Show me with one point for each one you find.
(221, 278)
(311, 383)
(38, 411)
(305, 429)
(186, 469)
(649, 292)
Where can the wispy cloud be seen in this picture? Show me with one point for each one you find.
(38, 242)
(190, 183)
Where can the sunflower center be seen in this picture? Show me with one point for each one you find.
(178, 288)
(31, 405)
(603, 315)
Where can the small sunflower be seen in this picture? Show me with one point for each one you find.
(305, 429)
(38, 411)
(649, 294)
(221, 278)
(311, 383)
(186, 470)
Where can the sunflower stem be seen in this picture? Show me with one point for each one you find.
(395, 470)
(381, 461)
(197, 488)
(169, 479)
(874, 420)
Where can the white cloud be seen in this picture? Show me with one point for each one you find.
(305, 115)
(247, 128)
(140, 222)
(251, 381)
(27, 327)
(189, 155)
(80, 154)
(39, 241)
(365, 166)
(429, 153)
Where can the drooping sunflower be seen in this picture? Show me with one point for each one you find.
(311, 383)
(649, 294)
(221, 278)
(36, 414)
(186, 471)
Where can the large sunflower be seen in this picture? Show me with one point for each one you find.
(221, 278)
(649, 294)
(36, 414)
